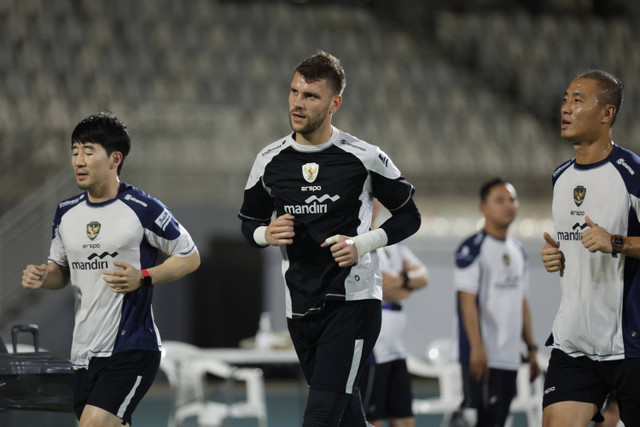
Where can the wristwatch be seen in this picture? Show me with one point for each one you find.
(405, 280)
(146, 279)
(617, 244)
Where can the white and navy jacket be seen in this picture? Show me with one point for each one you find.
(496, 271)
(87, 238)
(599, 313)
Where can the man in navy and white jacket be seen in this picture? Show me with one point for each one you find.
(595, 338)
(105, 243)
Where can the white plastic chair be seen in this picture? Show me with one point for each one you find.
(438, 364)
(186, 368)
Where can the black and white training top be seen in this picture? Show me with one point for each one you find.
(329, 189)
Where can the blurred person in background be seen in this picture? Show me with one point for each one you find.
(491, 278)
(595, 338)
(311, 194)
(105, 242)
(386, 383)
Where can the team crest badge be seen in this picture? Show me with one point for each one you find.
(93, 229)
(506, 260)
(578, 194)
(310, 171)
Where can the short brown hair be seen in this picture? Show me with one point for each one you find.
(321, 66)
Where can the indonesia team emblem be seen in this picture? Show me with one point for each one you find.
(578, 194)
(506, 260)
(310, 171)
(93, 229)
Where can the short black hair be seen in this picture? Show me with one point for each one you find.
(612, 91)
(323, 65)
(487, 186)
(104, 129)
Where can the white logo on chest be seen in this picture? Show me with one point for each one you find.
(310, 172)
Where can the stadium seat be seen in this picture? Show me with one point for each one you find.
(469, 84)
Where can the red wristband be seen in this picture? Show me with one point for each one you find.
(146, 279)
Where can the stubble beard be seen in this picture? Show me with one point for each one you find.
(313, 124)
(84, 187)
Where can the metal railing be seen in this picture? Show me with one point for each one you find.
(25, 237)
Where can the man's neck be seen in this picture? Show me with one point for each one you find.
(317, 137)
(588, 153)
(495, 231)
(104, 192)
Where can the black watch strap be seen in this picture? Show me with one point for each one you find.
(617, 244)
(405, 280)
(146, 279)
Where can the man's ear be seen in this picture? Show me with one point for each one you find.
(335, 103)
(608, 113)
(116, 159)
(481, 206)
